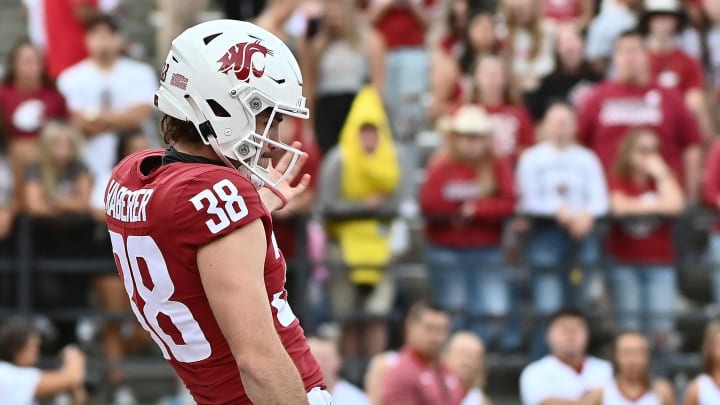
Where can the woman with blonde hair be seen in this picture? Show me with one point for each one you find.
(58, 183)
(705, 388)
(529, 42)
(494, 91)
(467, 195)
(342, 55)
(28, 100)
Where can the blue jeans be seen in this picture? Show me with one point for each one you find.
(472, 284)
(552, 254)
(644, 297)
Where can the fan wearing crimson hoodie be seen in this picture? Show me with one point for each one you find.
(633, 100)
(671, 66)
(511, 123)
(644, 198)
(467, 195)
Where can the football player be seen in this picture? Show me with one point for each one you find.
(191, 228)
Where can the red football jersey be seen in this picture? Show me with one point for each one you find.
(158, 217)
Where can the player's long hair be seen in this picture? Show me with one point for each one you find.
(48, 170)
(709, 364)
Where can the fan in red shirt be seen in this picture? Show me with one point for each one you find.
(28, 100)
(512, 126)
(644, 197)
(417, 376)
(633, 100)
(468, 191)
(467, 195)
(672, 68)
(452, 67)
(65, 27)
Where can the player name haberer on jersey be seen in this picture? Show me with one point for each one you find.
(126, 205)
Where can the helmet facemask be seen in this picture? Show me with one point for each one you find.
(245, 154)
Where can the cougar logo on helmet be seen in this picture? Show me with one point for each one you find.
(239, 59)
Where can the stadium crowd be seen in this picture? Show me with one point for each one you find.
(543, 161)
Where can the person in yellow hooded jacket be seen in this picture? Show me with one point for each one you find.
(361, 187)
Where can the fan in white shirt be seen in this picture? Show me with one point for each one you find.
(568, 373)
(20, 382)
(465, 356)
(632, 384)
(106, 93)
(558, 177)
(327, 354)
(705, 389)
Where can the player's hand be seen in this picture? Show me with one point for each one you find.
(276, 197)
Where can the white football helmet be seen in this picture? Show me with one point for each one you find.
(219, 75)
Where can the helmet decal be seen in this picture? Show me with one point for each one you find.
(239, 59)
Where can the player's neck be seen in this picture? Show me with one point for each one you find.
(195, 149)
